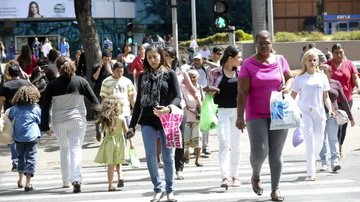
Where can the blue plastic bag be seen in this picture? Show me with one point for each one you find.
(298, 137)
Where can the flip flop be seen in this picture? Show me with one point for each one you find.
(179, 176)
(277, 198)
(29, 188)
(20, 186)
(111, 188)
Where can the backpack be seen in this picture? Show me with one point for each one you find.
(39, 80)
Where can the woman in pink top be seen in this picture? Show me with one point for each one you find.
(27, 60)
(344, 71)
(184, 79)
(258, 77)
(137, 64)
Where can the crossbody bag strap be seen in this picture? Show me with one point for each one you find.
(281, 69)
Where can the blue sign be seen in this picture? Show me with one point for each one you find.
(341, 17)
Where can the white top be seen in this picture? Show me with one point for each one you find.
(193, 44)
(46, 49)
(311, 91)
(205, 53)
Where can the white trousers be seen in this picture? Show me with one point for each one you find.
(229, 142)
(70, 136)
(314, 127)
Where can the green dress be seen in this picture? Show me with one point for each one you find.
(112, 148)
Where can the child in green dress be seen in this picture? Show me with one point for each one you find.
(112, 148)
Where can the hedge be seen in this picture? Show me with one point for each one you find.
(286, 37)
(353, 35)
(315, 36)
(219, 38)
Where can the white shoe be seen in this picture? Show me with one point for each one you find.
(336, 167)
(324, 168)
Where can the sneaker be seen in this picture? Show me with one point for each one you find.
(336, 167)
(206, 151)
(324, 168)
(77, 187)
(14, 169)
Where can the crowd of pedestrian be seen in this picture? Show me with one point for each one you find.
(141, 89)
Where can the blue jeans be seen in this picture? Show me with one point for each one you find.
(27, 157)
(36, 53)
(150, 136)
(97, 125)
(14, 155)
(191, 55)
(331, 131)
(11, 56)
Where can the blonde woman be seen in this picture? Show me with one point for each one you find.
(312, 86)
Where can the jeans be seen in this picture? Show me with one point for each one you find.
(36, 53)
(70, 136)
(229, 142)
(331, 130)
(314, 127)
(191, 56)
(27, 157)
(97, 125)
(14, 155)
(11, 56)
(150, 136)
(265, 142)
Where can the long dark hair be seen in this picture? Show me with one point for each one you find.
(30, 14)
(172, 52)
(159, 50)
(25, 57)
(230, 51)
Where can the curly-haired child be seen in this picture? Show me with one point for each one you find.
(27, 115)
(112, 148)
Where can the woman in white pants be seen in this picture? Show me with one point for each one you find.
(312, 86)
(66, 95)
(225, 78)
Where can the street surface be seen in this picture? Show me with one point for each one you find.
(200, 184)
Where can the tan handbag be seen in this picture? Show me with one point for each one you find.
(6, 129)
(341, 118)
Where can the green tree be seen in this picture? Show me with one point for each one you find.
(320, 16)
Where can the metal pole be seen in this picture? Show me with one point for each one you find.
(175, 26)
(270, 17)
(193, 18)
(134, 48)
(232, 36)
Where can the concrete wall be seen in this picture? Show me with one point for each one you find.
(291, 51)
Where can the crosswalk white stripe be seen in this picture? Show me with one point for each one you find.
(133, 175)
(148, 182)
(189, 197)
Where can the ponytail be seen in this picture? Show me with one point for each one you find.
(68, 69)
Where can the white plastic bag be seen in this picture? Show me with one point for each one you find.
(284, 112)
(298, 137)
(6, 129)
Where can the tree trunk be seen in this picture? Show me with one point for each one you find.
(320, 16)
(89, 38)
(258, 14)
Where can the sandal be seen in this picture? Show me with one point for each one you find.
(155, 199)
(277, 198)
(171, 198)
(20, 186)
(225, 183)
(111, 188)
(199, 164)
(258, 191)
(236, 182)
(312, 178)
(187, 161)
(179, 176)
(120, 183)
(29, 188)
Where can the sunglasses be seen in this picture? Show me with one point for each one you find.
(218, 53)
(264, 43)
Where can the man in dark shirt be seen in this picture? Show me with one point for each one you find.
(7, 92)
(99, 73)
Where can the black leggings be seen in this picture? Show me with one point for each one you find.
(180, 152)
(342, 129)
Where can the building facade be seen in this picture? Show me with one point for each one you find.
(300, 15)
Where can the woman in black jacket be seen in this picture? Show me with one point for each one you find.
(158, 88)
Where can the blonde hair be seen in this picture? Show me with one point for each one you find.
(26, 95)
(6, 74)
(307, 54)
(110, 110)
